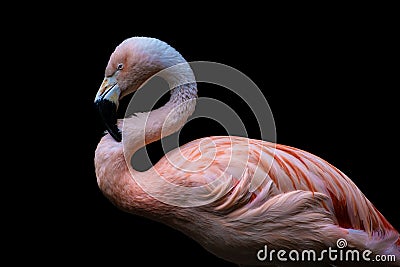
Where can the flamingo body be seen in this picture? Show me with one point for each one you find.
(303, 201)
(268, 194)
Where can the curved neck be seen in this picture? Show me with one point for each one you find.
(112, 159)
(144, 128)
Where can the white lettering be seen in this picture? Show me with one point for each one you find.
(280, 255)
(331, 254)
(260, 252)
(352, 252)
(309, 253)
(321, 258)
(332, 258)
(291, 256)
(366, 254)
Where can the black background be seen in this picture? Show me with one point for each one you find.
(327, 81)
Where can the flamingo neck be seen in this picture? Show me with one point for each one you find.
(145, 128)
(112, 159)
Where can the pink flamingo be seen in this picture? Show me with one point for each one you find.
(301, 202)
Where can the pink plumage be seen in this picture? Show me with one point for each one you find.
(269, 194)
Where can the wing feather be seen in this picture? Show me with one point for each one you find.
(261, 170)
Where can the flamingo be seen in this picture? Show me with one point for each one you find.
(268, 195)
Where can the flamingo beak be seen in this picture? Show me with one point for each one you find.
(106, 101)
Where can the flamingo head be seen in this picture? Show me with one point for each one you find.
(133, 62)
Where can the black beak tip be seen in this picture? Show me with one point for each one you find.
(108, 113)
(115, 133)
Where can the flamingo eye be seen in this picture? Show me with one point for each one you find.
(120, 66)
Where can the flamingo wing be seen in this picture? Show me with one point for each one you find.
(261, 170)
(276, 195)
